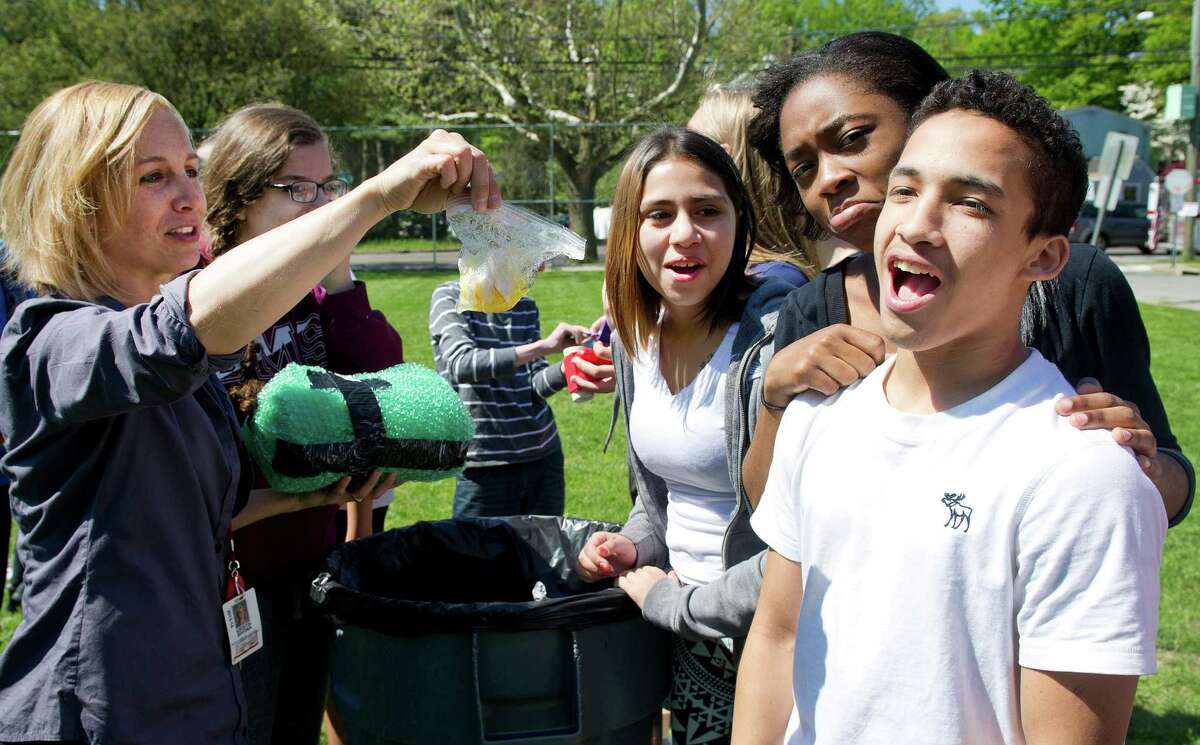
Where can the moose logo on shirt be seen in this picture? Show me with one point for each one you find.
(960, 514)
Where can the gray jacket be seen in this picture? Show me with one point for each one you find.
(725, 607)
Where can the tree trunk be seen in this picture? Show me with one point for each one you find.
(582, 189)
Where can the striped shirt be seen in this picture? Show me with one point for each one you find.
(477, 354)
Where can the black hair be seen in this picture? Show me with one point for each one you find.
(887, 64)
(1057, 172)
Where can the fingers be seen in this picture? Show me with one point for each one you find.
(368, 486)
(591, 565)
(337, 492)
(1118, 414)
(825, 361)
(594, 371)
(481, 180)
(861, 360)
(840, 370)
(872, 344)
(1089, 401)
(1141, 441)
(601, 385)
(819, 380)
(461, 165)
(493, 199)
(577, 333)
(1088, 385)
(457, 151)
(387, 482)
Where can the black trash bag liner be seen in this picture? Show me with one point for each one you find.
(469, 574)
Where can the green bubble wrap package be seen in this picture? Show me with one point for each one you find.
(311, 427)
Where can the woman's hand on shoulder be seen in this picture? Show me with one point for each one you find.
(443, 164)
(604, 556)
(826, 360)
(1093, 408)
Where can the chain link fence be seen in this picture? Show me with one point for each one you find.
(525, 167)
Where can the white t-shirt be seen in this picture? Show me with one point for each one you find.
(942, 551)
(681, 439)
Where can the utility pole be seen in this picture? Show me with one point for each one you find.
(1194, 56)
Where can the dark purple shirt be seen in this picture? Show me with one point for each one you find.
(339, 332)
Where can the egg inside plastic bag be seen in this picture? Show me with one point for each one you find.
(501, 252)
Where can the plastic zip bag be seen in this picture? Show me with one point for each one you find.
(502, 251)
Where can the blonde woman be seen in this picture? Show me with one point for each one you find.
(785, 245)
(123, 446)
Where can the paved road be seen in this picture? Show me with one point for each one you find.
(1146, 274)
(1152, 282)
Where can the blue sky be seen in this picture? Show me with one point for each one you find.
(964, 4)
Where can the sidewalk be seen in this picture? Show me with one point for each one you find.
(1155, 281)
(445, 260)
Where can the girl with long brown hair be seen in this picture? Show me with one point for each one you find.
(268, 165)
(692, 334)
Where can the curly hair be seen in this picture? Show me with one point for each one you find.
(245, 149)
(1058, 174)
(886, 64)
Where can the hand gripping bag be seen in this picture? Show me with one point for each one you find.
(311, 427)
(502, 250)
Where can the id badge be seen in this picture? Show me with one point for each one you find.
(243, 625)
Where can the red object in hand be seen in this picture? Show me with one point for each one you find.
(570, 354)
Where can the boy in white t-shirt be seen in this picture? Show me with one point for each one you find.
(953, 562)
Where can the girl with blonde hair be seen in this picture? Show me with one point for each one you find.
(123, 447)
(785, 243)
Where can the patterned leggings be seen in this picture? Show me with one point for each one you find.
(701, 697)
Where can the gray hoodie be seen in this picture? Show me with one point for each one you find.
(725, 607)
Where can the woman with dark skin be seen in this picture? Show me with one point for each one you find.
(832, 124)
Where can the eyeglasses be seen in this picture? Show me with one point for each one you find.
(305, 192)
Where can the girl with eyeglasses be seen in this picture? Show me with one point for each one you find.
(268, 165)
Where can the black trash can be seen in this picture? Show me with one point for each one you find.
(440, 639)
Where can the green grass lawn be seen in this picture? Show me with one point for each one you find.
(1168, 705)
(406, 245)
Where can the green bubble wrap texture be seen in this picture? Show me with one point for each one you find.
(419, 404)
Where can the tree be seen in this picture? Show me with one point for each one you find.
(1168, 140)
(207, 58)
(1076, 54)
(591, 68)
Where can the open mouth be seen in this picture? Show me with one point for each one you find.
(911, 285)
(185, 233)
(685, 271)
